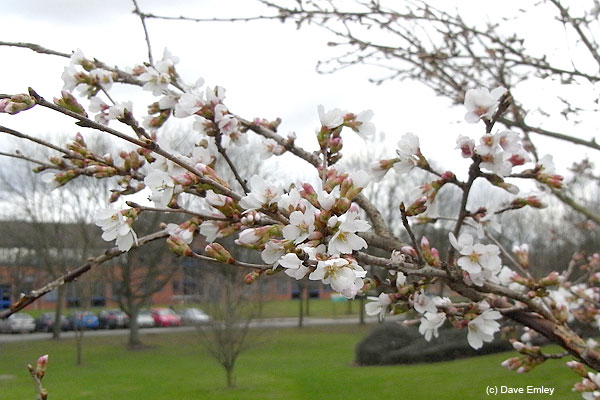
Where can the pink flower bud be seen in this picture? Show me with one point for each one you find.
(550, 280)
(409, 251)
(40, 368)
(219, 253)
(251, 277)
(178, 246)
(578, 368)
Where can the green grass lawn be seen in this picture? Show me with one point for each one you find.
(308, 363)
(268, 309)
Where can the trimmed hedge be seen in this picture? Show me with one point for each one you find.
(393, 343)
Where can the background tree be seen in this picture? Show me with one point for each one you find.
(450, 49)
(52, 227)
(228, 301)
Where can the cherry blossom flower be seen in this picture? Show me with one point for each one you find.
(365, 128)
(270, 147)
(344, 277)
(331, 119)
(290, 201)
(70, 78)
(379, 305)
(227, 123)
(187, 235)
(189, 103)
(498, 162)
(423, 303)
(300, 227)
(97, 105)
(211, 230)
(488, 221)
(262, 194)
(509, 141)
(162, 186)
(103, 77)
(115, 225)
(293, 266)
(430, 323)
(408, 151)
(77, 58)
(327, 200)
(482, 328)
(466, 146)
(156, 80)
(345, 240)
(546, 164)
(481, 103)
(379, 168)
(480, 261)
(272, 252)
(118, 110)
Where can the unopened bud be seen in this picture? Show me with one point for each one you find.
(409, 251)
(178, 246)
(342, 205)
(251, 277)
(550, 280)
(418, 207)
(578, 368)
(16, 104)
(219, 253)
(68, 101)
(40, 368)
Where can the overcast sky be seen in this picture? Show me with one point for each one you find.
(267, 67)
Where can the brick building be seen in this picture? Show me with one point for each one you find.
(34, 254)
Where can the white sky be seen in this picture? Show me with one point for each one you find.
(268, 68)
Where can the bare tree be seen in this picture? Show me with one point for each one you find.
(136, 277)
(225, 338)
(449, 51)
(52, 227)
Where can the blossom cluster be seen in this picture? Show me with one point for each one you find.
(318, 230)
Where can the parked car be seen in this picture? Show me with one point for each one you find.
(83, 319)
(165, 317)
(18, 322)
(193, 316)
(145, 319)
(111, 319)
(45, 322)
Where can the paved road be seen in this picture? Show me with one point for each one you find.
(257, 323)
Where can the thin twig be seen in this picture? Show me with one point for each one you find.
(232, 167)
(411, 234)
(23, 157)
(177, 211)
(143, 19)
(234, 262)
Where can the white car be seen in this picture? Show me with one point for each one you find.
(193, 316)
(18, 322)
(145, 319)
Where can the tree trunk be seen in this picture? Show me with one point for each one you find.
(301, 310)
(230, 376)
(307, 298)
(134, 331)
(60, 294)
(361, 311)
(79, 343)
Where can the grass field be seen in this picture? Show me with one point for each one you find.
(308, 363)
(271, 309)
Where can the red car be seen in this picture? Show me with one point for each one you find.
(165, 317)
